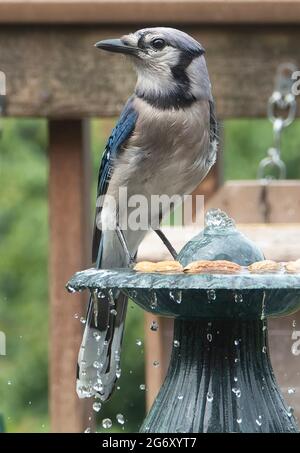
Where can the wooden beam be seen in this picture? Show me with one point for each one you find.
(69, 244)
(159, 11)
(57, 72)
(255, 202)
(279, 241)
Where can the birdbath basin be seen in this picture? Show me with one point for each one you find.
(220, 378)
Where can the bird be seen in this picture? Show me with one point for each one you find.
(165, 142)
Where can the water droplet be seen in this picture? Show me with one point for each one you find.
(258, 421)
(209, 337)
(101, 295)
(113, 312)
(290, 411)
(236, 360)
(239, 420)
(264, 328)
(9, 382)
(106, 423)
(154, 326)
(153, 303)
(156, 363)
(111, 297)
(180, 397)
(294, 323)
(211, 295)
(176, 296)
(85, 391)
(88, 430)
(97, 336)
(142, 387)
(118, 373)
(120, 419)
(236, 391)
(97, 406)
(264, 349)
(138, 342)
(291, 391)
(235, 379)
(209, 397)
(238, 298)
(236, 342)
(96, 364)
(29, 403)
(71, 289)
(82, 320)
(118, 387)
(176, 343)
(98, 387)
(76, 315)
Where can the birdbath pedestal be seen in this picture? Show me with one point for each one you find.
(220, 378)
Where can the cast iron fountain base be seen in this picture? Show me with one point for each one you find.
(220, 379)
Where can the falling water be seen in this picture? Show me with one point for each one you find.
(176, 296)
(211, 295)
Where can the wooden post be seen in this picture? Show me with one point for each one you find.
(69, 204)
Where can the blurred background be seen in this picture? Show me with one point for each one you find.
(24, 249)
(34, 97)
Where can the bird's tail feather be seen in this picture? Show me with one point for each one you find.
(99, 354)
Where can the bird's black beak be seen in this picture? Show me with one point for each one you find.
(118, 46)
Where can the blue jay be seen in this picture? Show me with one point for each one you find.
(165, 142)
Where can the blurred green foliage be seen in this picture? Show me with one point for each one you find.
(23, 265)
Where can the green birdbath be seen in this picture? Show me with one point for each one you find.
(220, 378)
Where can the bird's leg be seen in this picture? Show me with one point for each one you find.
(123, 241)
(167, 243)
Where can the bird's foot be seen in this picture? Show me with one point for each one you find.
(167, 243)
(130, 258)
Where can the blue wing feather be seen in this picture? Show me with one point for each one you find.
(120, 134)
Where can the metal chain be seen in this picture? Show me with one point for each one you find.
(281, 113)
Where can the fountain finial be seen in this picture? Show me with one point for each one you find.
(220, 240)
(218, 220)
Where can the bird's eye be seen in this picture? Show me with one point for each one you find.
(158, 43)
